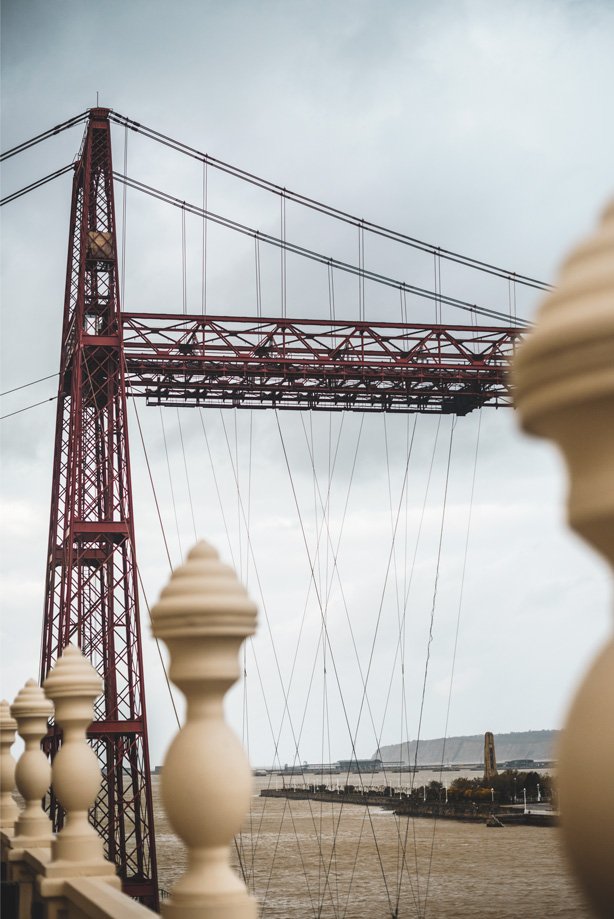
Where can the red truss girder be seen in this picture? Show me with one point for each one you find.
(316, 364)
(91, 592)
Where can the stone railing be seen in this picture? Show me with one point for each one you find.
(564, 382)
(203, 615)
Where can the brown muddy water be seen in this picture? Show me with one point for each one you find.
(451, 870)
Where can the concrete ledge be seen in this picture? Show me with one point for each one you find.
(96, 898)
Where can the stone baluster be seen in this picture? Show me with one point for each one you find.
(203, 616)
(564, 381)
(8, 808)
(73, 685)
(31, 710)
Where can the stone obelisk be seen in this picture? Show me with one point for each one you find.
(490, 760)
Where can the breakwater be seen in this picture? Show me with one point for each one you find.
(406, 805)
(482, 813)
(367, 796)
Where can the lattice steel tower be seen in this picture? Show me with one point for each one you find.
(91, 583)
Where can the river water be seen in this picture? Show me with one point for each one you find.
(381, 865)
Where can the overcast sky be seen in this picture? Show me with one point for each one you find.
(480, 127)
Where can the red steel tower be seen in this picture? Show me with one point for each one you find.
(91, 581)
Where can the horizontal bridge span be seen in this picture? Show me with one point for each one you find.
(247, 362)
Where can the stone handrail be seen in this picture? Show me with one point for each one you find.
(564, 382)
(203, 615)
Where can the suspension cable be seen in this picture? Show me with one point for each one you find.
(7, 392)
(401, 623)
(319, 206)
(283, 252)
(314, 255)
(432, 616)
(159, 649)
(258, 280)
(187, 476)
(353, 736)
(436, 584)
(170, 481)
(404, 620)
(203, 282)
(239, 854)
(456, 634)
(25, 145)
(153, 488)
(245, 735)
(123, 241)
(462, 587)
(34, 185)
(184, 279)
(27, 408)
(285, 690)
(335, 551)
(322, 638)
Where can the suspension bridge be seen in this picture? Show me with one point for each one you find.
(350, 355)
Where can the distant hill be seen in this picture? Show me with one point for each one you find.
(538, 745)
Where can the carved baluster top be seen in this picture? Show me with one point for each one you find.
(203, 615)
(204, 597)
(9, 811)
(32, 711)
(564, 381)
(73, 685)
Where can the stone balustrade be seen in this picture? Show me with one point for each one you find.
(203, 615)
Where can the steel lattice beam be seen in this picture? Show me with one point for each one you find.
(315, 364)
(91, 582)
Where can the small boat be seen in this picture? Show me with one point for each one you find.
(494, 821)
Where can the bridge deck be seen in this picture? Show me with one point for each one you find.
(316, 364)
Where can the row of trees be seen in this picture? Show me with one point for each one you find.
(506, 788)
